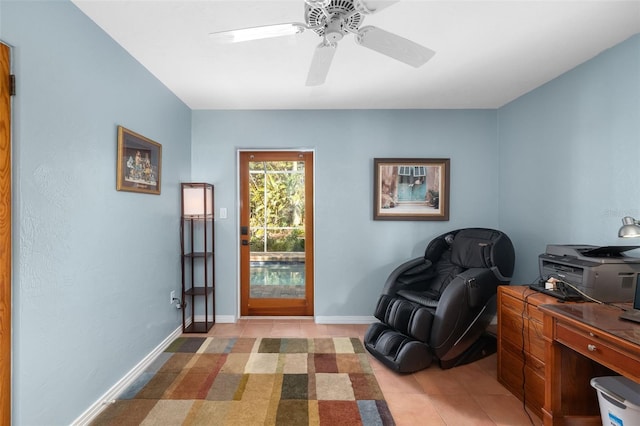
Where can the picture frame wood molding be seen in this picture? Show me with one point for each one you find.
(411, 188)
(139, 166)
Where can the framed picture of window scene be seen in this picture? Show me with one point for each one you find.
(411, 188)
(139, 163)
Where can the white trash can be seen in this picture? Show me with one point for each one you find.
(619, 400)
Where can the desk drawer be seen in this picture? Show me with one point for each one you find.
(517, 306)
(510, 302)
(527, 334)
(601, 351)
(510, 374)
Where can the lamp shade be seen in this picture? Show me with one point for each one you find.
(630, 228)
(197, 199)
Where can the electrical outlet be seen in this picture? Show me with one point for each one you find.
(172, 296)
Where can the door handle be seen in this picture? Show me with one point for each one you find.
(244, 230)
(245, 242)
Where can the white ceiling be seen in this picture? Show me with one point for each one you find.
(487, 52)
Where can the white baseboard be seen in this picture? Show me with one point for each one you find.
(345, 319)
(92, 412)
(222, 319)
(317, 319)
(226, 319)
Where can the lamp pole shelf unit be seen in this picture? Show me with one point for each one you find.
(198, 260)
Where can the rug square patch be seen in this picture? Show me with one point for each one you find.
(293, 413)
(364, 363)
(339, 413)
(261, 363)
(295, 386)
(385, 414)
(335, 387)
(167, 412)
(124, 412)
(189, 386)
(271, 346)
(348, 363)
(295, 346)
(365, 386)
(245, 413)
(219, 346)
(375, 413)
(208, 412)
(224, 387)
(260, 386)
(343, 345)
(176, 363)
(358, 346)
(323, 345)
(186, 344)
(243, 345)
(325, 363)
(314, 415)
(235, 363)
(157, 386)
(294, 363)
(206, 363)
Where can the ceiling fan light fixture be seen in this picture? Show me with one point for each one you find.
(257, 33)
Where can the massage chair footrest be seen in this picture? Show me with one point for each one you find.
(397, 351)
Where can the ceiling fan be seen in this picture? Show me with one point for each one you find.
(332, 20)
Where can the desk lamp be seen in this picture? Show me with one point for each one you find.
(630, 228)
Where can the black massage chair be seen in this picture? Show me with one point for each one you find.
(439, 306)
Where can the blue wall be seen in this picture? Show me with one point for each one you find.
(353, 253)
(570, 158)
(93, 267)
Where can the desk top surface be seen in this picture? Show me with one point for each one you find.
(600, 316)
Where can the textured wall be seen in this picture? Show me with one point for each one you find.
(93, 267)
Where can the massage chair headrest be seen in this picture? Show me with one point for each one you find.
(475, 248)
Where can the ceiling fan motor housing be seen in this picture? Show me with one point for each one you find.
(343, 18)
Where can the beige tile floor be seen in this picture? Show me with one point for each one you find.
(465, 395)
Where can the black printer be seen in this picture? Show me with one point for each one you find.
(604, 273)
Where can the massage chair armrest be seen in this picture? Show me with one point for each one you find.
(407, 274)
(463, 312)
(472, 288)
(481, 283)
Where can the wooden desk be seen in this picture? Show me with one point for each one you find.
(584, 340)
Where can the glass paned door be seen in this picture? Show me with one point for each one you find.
(275, 233)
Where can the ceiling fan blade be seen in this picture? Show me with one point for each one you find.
(321, 63)
(373, 6)
(257, 33)
(394, 46)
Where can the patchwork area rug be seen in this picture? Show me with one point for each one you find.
(254, 381)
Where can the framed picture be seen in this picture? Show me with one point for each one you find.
(139, 163)
(411, 188)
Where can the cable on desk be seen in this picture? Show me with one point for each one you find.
(582, 293)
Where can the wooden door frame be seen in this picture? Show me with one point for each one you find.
(268, 309)
(5, 236)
